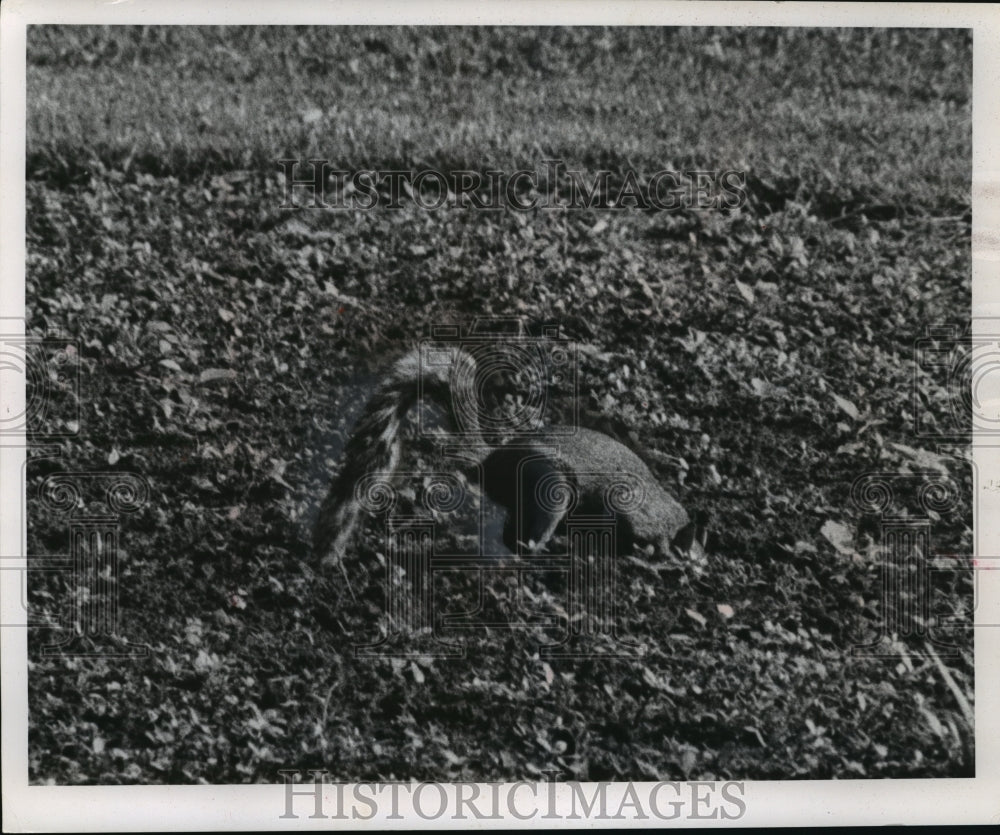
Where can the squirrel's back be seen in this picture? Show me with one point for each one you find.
(605, 475)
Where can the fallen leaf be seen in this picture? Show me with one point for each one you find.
(846, 406)
(746, 291)
(850, 449)
(839, 536)
(211, 374)
(696, 616)
(763, 388)
(923, 457)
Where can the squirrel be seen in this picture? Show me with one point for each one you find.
(603, 475)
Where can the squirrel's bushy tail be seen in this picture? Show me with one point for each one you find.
(375, 444)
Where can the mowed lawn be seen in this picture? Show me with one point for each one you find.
(762, 360)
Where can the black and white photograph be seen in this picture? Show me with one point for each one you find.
(499, 419)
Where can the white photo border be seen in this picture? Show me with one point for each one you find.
(768, 803)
